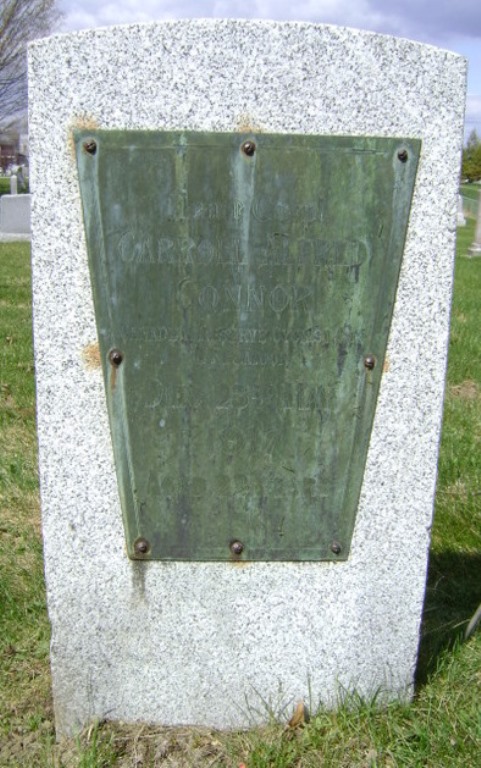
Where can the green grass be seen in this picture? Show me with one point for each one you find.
(440, 729)
(5, 186)
(24, 632)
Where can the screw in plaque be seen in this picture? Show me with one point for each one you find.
(248, 148)
(141, 546)
(336, 548)
(90, 146)
(116, 357)
(237, 547)
(403, 155)
(369, 362)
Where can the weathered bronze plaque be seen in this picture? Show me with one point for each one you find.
(243, 289)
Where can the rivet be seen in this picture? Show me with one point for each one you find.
(237, 547)
(115, 357)
(248, 148)
(141, 546)
(369, 362)
(336, 548)
(402, 155)
(90, 146)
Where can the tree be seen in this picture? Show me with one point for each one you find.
(471, 169)
(20, 21)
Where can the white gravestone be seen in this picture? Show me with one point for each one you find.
(15, 217)
(208, 643)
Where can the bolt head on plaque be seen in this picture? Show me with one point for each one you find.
(141, 546)
(116, 357)
(90, 146)
(249, 148)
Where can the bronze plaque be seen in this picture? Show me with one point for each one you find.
(243, 289)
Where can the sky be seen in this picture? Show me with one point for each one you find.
(451, 24)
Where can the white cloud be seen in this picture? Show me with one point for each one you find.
(431, 19)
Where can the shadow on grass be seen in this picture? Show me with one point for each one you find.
(452, 596)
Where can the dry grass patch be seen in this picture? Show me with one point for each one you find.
(467, 390)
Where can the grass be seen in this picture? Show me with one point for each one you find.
(441, 728)
(454, 584)
(5, 186)
(24, 632)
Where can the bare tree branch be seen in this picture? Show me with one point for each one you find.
(20, 21)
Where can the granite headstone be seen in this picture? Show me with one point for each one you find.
(211, 642)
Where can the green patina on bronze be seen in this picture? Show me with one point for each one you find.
(243, 289)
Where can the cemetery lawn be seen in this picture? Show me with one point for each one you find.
(442, 726)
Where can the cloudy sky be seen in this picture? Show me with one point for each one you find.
(451, 24)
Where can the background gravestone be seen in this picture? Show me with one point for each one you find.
(475, 248)
(208, 642)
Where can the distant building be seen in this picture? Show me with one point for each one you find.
(8, 150)
(14, 145)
